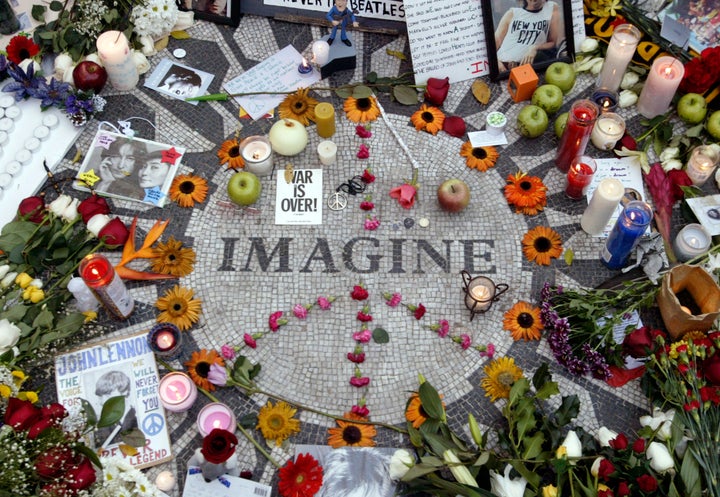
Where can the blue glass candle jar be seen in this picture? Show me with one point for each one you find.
(625, 235)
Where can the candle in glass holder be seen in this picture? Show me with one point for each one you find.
(692, 241)
(624, 41)
(177, 392)
(606, 99)
(165, 340)
(625, 235)
(660, 86)
(257, 153)
(576, 135)
(481, 295)
(215, 415)
(116, 57)
(579, 177)
(608, 129)
(327, 150)
(602, 206)
(99, 275)
(701, 164)
(304, 67)
(325, 119)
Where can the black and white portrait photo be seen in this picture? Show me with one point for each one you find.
(102, 385)
(178, 81)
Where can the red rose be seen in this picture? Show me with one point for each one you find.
(711, 368)
(218, 446)
(419, 312)
(54, 411)
(405, 195)
(606, 469)
(92, 205)
(711, 60)
(697, 78)
(32, 208)
(454, 126)
(82, 475)
(639, 446)
(678, 178)
(436, 90)
(54, 462)
(647, 483)
(359, 293)
(640, 343)
(114, 233)
(623, 490)
(40, 426)
(21, 414)
(620, 442)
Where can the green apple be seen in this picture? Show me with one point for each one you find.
(548, 97)
(560, 74)
(560, 122)
(692, 108)
(244, 188)
(713, 125)
(532, 121)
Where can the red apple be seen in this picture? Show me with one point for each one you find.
(89, 75)
(453, 195)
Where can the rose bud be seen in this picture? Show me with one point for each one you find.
(218, 446)
(21, 414)
(436, 90)
(114, 233)
(33, 208)
(92, 205)
(454, 126)
(54, 462)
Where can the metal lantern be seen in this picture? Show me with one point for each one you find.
(480, 293)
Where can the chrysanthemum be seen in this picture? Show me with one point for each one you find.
(188, 189)
(348, 434)
(21, 48)
(199, 366)
(428, 118)
(480, 158)
(361, 110)
(276, 422)
(526, 193)
(178, 307)
(300, 478)
(541, 244)
(229, 154)
(298, 106)
(173, 258)
(500, 374)
(523, 321)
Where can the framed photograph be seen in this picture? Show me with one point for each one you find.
(218, 11)
(178, 81)
(536, 32)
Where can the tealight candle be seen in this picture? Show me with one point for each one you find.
(482, 295)
(5, 180)
(304, 68)
(325, 119)
(604, 202)
(42, 132)
(321, 52)
(660, 86)
(3, 138)
(625, 235)
(165, 340)
(13, 112)
(114, 52)
(624, 41)
(215, 415)
(579, 177)
(6, 101)
(495, 123)
(692, 241)
(606, 99)
(257, 153)
(576, 135)
(701, 164)
(177, 392)
(327, 150)
(7, 124)
(50, 120)
(13, 167)
(608, 129)
(32, 144)
(23, 156)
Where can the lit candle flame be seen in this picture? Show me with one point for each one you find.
(216, 424)
(304, 62)
(175, 391)
(668, 72)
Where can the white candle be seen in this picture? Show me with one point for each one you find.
(165, 481)
(481, 298)
(321, 52)
(603, 204)
(257, 153)
(116, 57)
(621, 49)
(701, 164)
(608, 129)
(692, 241)
(327, 150)
(660, 87)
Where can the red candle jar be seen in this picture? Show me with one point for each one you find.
(579, 177)
(581, 120)
(99, 275)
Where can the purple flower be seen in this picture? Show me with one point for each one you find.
(359, 382)
(249, 340)
(24, 82)
(443, 328)
(51, 94)
(300, 311)
(363, 336)
(465, 341)
(324, 303)
(394, 299)
(227, 351)
(217, 375)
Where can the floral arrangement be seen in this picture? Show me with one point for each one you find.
(120, 478)
(154, 17)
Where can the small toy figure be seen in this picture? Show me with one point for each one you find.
(340, 15)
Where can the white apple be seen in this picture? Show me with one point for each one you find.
(288, 137)
(560, 74)
(532, 121)
(692, 108)
(548, 97)
(713, 125)
(244, 188)
(453, 195)
(560, 123)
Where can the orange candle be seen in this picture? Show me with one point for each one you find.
(325, 119)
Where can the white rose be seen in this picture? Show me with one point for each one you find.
(597, 67)
(185, 19)
(661, 422)
(59, 205)
(141, 62)
(659, 456)
(627, 98)
(671, 164)
(8, 280)
(26, 63)
(400, 462)
(604, 435)
(595, 468)
(62, 62)
(589, 45)
(586, 63)
(572, 445)
(147, 45)
(9, 335)
(4, 270)
(504, 486)
(71, 213)
(67, 76)
(93, 57)
(96, 223)
(629, 80)
(669, 153)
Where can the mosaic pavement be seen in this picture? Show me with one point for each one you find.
(248, 268)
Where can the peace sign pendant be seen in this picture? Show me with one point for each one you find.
(337, 201)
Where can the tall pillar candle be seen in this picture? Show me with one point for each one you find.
(602, 206)
(325, 119)
(624, 41)
(116, 56)
(576, 135)
(701, 164)
(660, 86)
(625, 235)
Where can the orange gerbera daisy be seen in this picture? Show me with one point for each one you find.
(428, 118)
(298, 106)
(187, 189)
(480, 158)
(179, 307)
(523, 321)
(230, 153)
(349, 434)
(414, 412)
(172, 258)
(541, 244)
(361, 110)
(526, 193)
(199, 367)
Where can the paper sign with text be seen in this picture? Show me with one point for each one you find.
(299, 201)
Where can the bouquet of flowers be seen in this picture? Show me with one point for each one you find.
(154, 17)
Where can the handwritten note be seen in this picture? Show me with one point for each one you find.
(446, 38)
(277, 73)
(300, 201)
(578, 20)
(223, 486)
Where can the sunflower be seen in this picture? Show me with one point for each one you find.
(500, 376)
(523, 321)
(428, 118)
(199, 366)
(276, 422)
(300, 478)
(348, 434)
(298, 106)
(480, 158)
(178, 307)
(21, 48)
(173, 258)
(187, 189)
(361, 110)
(541, 244)
(230, 153)
(526, 193)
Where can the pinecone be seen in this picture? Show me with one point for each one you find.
(78, 119)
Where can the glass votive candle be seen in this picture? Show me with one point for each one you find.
(625, 235)
(608, 129)
(606, 99)
(701, 164)
(177, 392)
(215, 415)
(692, 241)
(256, 151)
(165, 340)
(579, 176)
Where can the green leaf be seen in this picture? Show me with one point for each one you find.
(532, 477)
(343, 92)
(547, 390)
(90, 415)
(180, 35)
(519, 389)
(38, 12)
(690, 475)
(371, 77)
(380, 335)
(541, 376)
(431, 403)
(695, 131)
(15, 313)
(418, 470)
(533, 445)
(569, 256)
(112, 410)
(133, 437)
(56, 6)
(248, 421)
(568, 410)
(87, 451)
(362, 91)
(405, 95)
